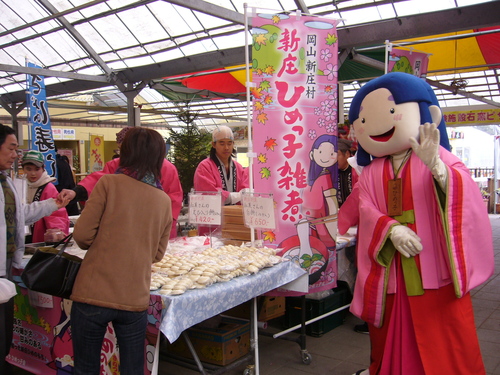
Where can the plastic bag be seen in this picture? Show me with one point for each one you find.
(7, 290)
(53, 235)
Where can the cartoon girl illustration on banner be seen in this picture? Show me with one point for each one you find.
(320, 198)
(315, 239)
(62, 346)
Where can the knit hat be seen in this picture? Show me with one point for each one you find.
(120, 136)
(33, 157)
(222, 132)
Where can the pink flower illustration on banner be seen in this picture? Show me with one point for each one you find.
(330, 72)
(330, 114)
(327, 276)
(312, 133)
(331, 128)
(325, 105)
(321, 122)
(333, 99)
(326, 55)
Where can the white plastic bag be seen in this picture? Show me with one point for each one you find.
(7, 290)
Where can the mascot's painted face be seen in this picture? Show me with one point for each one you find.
(384, 127)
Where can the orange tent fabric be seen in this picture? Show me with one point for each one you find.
(227, 82)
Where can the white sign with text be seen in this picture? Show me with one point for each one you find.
(258, 211)
(205, 209)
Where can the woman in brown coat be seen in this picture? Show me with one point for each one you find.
(125, 226)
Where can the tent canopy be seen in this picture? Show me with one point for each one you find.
(93, 50)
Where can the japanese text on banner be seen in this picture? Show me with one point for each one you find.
(96, 153)
(39, 120)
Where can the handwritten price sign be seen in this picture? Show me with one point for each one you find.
(205, 209)
(258, 212)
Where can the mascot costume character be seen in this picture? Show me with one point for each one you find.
(424, 237)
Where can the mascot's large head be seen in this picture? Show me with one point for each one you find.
(388, 110)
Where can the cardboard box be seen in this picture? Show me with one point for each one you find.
(314, 308)
(220, 345)
(232, 214)
(267, 308)
(233, 224)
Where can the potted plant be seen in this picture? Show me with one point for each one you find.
(189, 146)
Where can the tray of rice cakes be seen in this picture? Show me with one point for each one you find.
(193, 268)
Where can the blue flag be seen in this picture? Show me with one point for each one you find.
(38, 117)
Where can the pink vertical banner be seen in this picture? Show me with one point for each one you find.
(295, 117)
(408, 61)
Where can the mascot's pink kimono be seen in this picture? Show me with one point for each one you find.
(425, 237)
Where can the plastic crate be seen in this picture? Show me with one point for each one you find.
(342, 296)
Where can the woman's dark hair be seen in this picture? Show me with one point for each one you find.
(143, 150)
(4, 132)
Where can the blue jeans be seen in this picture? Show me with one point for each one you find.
(88, 327)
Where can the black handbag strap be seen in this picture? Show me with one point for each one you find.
(65, 242)
(64, 239)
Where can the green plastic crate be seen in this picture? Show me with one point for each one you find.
(342, 296)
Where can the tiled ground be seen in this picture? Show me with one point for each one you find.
(343, 351)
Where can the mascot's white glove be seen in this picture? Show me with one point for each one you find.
(405, 240)
(428, 151)
(234, 198)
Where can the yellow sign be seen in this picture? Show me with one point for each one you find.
(475, 117)
(96, 153)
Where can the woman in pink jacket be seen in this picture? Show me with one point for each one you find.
(169, 181)
(40, 188)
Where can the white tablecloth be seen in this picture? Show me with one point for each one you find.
(196, 305)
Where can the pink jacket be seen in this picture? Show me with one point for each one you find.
(457, 238)
(207, 178)
(349, 212)
(59, 218)
(169, 181)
